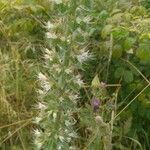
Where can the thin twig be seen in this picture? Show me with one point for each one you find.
(137, 70)
(132, 101)
(139, 92)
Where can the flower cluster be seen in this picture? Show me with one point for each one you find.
(95, 104)
(45, 85)
(84, 56)
(60, 84)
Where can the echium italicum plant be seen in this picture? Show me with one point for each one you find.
(64, 121)
(60, 82)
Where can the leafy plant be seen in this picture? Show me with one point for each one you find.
(74, 74)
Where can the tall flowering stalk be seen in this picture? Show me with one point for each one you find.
(59, 85)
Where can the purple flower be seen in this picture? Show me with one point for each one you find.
(95, 104)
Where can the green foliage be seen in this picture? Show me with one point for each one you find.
(103, 43)
(130, 42)
(143, 51)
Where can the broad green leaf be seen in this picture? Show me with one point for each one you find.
(141, 97)
(115, 11)
(117, 51)
(128, 76)
(106, 30)
(95, 82)
(127, 17)
(145, 36)
(117, 18)
(128, 43)
(120, 33)
(103, 14)
(144, 51)
(119, 72)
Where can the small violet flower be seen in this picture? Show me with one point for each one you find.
(95, 104)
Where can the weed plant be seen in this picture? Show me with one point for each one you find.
(74, 75)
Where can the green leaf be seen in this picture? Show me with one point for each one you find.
(95, 82)
(128, 43)
(128, 76)
(115, 11)
(119, 72)
(141, 97)
(117, 51)
(120, 33)
(144, 51)
(103, 14)
(106, 30)
(127, 17)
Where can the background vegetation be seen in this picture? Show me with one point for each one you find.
(116, 34)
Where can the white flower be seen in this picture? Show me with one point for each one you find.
(73, 96)
(61, 138)
(67, 123)
(87, 19)
(46, 86)
(71, 122)
(79, 81)
(42, 77)
(41, 106)
(50, 35)
(46, 56)
(49, 25)
(68, 139)
(37, 133)
(49, 113)
(40, 92)
(38, 144)
(73, 134)
(44, 83)
(72, 148)
(78, 20)
(59, 147)
(56, 67)
(84, 56)
(130, 51)
(61, 99)
(68, 71)
(49, 54)
(54, 116)
(66, 131)
(37, 120)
